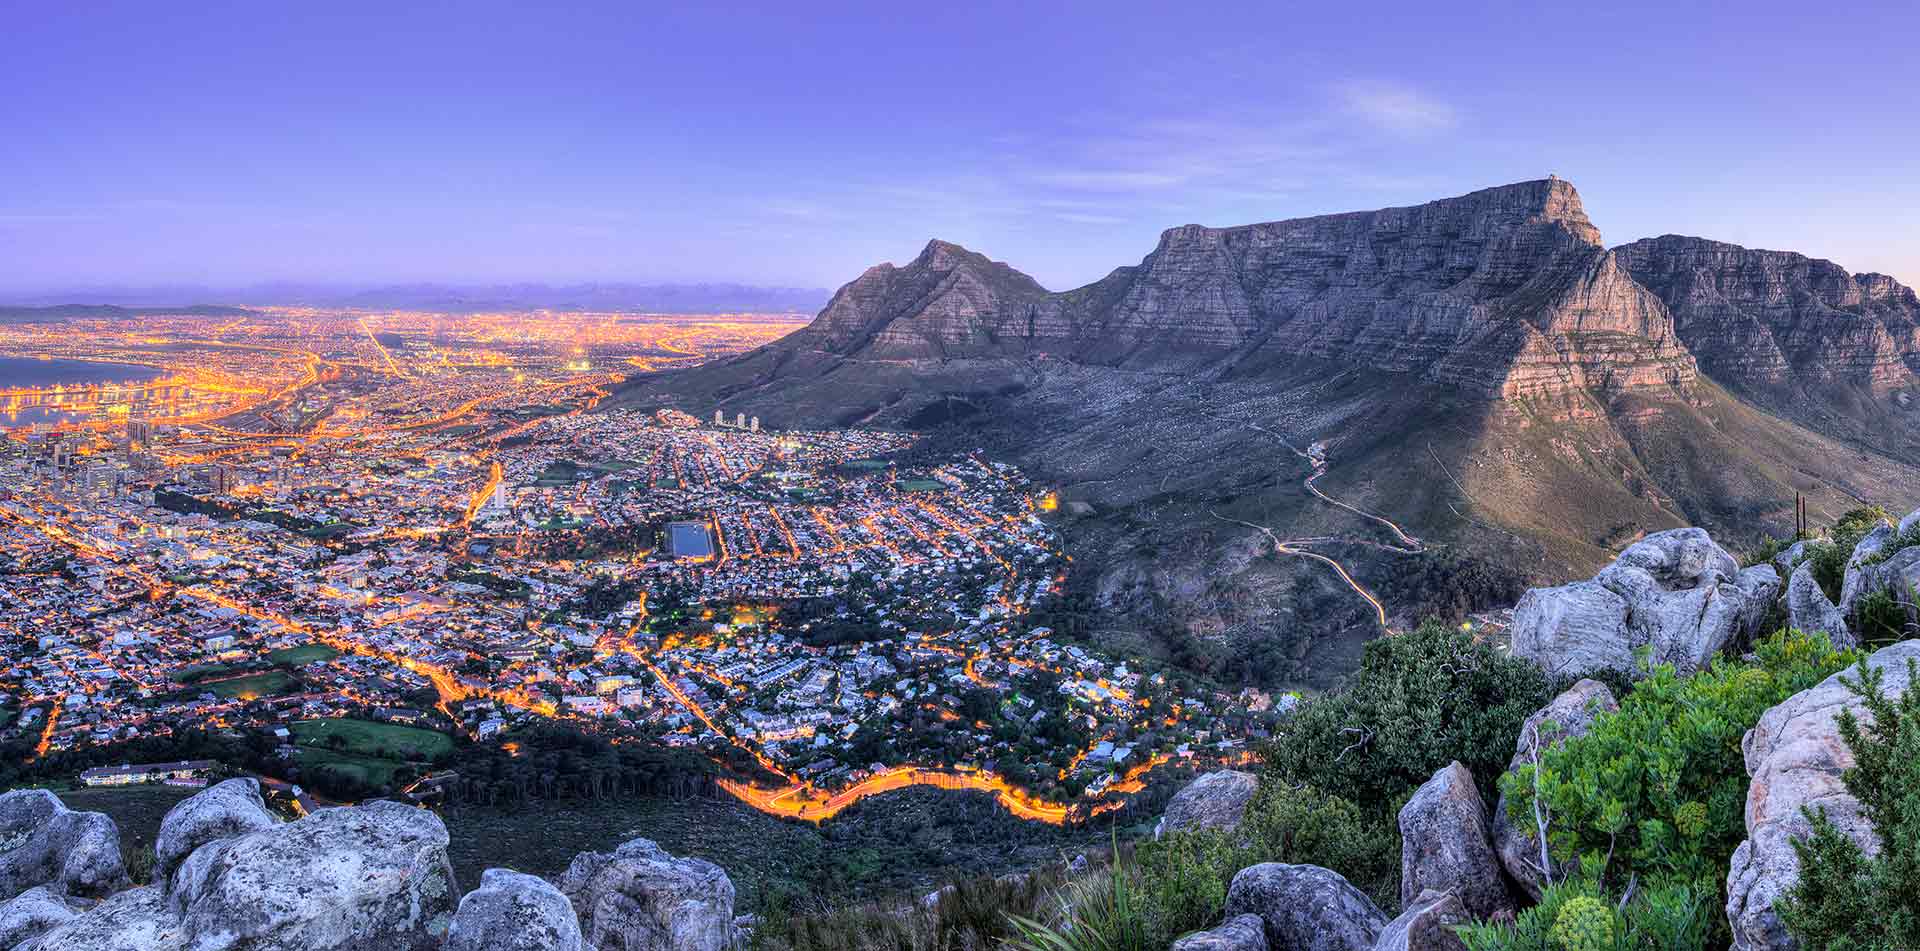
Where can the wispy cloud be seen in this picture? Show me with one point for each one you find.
(1395, 107)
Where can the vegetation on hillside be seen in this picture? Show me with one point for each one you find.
(1419, 701)
(1848, 900)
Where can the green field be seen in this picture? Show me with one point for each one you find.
(304, 654)
(365, 738)
(372, 770)
(921, 485)
(269, 684)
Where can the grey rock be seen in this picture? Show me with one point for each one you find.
(640, 898)
(1305, 908)
(228, 809)
(42, 842)
(1796, 758)
(1776, 319)
(133, 920)
(1242, 933)
(32, 913)
(1909, 523)
(372, 877)
(1786, 561)
(1426, 925)
(1217, 800)
(1675, 593)
(514, 912)
(1809, 609)
(1852, 584)
(1446, 845)
(1570, 715)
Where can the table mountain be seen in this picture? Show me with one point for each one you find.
(1482, 371)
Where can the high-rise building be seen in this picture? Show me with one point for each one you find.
(739, 420)
(719, 418)
(755, 426)
(139, 433)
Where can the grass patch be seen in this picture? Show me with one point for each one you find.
(921, 485)
(374, 771)
(304, 654)
(270, 684)
(365, 738)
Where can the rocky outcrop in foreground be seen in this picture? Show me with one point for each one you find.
(1216, 800)
(42, 842)
(373, 877)
(1446, 847)
(1305, 908)
(1426, 925)
(639, 898)
(1675, 593)
(1796, 758)
(1571, 715)
(1242, 933)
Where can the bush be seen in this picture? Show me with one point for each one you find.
(1096, 913)
(1880, 618)
(1578, 916)
(1419, 701)
(1846, 899)
(1657, 791)
(1829, 558)
(1184, 877)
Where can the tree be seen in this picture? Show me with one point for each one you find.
(1846, 900)
(1418, 702)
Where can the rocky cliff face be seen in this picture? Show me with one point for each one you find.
(1506, 291)
(372, 877)
(1769, 318)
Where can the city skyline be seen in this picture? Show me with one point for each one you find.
(224, 148)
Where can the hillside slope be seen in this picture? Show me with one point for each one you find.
(1481, 370)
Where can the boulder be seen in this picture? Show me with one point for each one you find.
(373, 877)
(229, 809)
(133, 920)
(1446, 845)
(1675, 593)
(1908, 524)
(1852, 584)
(1305, 908)
(1426, 925)
(639, 898)
(1786, 561)
(1570, 715)
(1809, 609)
(42, 842)
(1796, 758)
(1217, 800)
(32, 913)
(1242, 933)
(514, 912)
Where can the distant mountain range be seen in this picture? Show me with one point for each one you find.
(1483, 370)
(458, 298)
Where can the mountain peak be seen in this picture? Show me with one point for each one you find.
(946, 254)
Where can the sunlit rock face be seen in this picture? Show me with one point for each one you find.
(1758, 318)
(1506, 291)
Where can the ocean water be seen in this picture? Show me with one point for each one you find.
(18, 373)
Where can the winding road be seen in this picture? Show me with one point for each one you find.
(1316, 458)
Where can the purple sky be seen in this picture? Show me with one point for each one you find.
(797, 143)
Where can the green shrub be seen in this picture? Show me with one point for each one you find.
(1096, 913)
(1880, 618)
(1578, 916)
(1657, 791)
(1184, 876)
(1829, 557)
(1418, 702)
(1846, 900)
